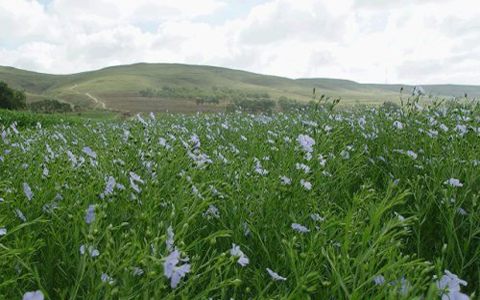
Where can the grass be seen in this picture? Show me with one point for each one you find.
(374, 208)
(118, 87)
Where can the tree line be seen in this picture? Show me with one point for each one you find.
(12, 99)
(213, 96)
(238, 100)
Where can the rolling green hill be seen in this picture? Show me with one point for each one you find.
(117, 88)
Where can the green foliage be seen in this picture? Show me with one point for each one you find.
(11, 98)
(381, 203)
(50, 106)
(23, 119)
(251, 106)
(287, 104)
(390, 106)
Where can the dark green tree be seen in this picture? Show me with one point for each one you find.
(11, 98)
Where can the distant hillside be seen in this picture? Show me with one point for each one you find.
(118, 88)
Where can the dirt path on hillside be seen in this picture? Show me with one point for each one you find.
(102, 104)
(98, 102)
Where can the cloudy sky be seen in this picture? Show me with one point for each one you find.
(407, 41)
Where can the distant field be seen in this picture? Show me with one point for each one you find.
(117, 88)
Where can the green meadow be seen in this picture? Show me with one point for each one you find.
(317, 203)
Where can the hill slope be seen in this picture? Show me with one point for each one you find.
(118, 87)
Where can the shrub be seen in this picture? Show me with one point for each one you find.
(50, 106)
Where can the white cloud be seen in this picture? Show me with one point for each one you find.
(20, 19)
(417, 41)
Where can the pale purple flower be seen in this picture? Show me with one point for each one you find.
(50, 207)
(443, 127)
(412, 154)
(142, 120)
(93, 252)
(306, 142)
(212, 211)
(195, 141)
(49, 150)
(303, 167)
(450, 285)
(310, 123)
(455, 295)
(37, 295)
(45, 172)
(28, 191)
(461, 129)
(3, 231)
(245, 228)
(170, 239)
(453, 182)
(308, 156)
(398, 125)
(322, 160)
(406, 286)
(299, 228)
(109, 187)
(137, 271)
(135, 177)
(89, 152)
(316, 217)
(275, 275)
(135, 186)
(285, 180)
(432, 133)
(162, 142)
(20, 215)
(72, 158)
(201, 159)
(344, 154)
(236, 252)
(399, 216)
(379, 280)
(259, 169)
(306, 184)
(90, 214)
(171, 270)
(362, 122)
(107, 279)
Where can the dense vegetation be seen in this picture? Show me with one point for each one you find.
(288, 105)
(215, 95)
(251, 106)
(50, 106)
(26, 120)
(11, 98)
(368, 203)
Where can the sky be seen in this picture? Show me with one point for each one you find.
(369, 41)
